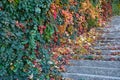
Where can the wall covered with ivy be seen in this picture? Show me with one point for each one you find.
(29, 28)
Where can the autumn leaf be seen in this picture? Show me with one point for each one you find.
(62, 29)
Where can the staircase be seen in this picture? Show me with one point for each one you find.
(106, 66)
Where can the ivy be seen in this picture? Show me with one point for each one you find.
(28, 29)
(22, 52)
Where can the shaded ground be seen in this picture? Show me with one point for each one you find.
(103, 63)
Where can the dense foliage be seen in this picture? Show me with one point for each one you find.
(22, 45)
(116, 7)
(31, 29)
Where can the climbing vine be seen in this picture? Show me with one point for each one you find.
(22, 52)
(33, 34)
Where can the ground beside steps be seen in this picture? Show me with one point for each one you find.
(107, 66)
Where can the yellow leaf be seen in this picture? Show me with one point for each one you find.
(90, 40)
(12, 67)
(57, 1)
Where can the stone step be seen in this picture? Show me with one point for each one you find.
(107, 31)
(100, 57)
(94, 63)
(106, 44)
(103, 43)
(94, 70)
(78, 76)
(114, 28)
(108, 38)
(108, 41)
(110, 33)
(107, 52)
(114, 35)
(107, 47)
(111, 37)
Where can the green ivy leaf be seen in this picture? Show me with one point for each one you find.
(2, 49)
(37, 10)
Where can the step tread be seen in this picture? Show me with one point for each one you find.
(106, 44)
(95, 67)
(94, 70)
(107, 47)
(93, 63)
(78, 76)
(107, 52)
